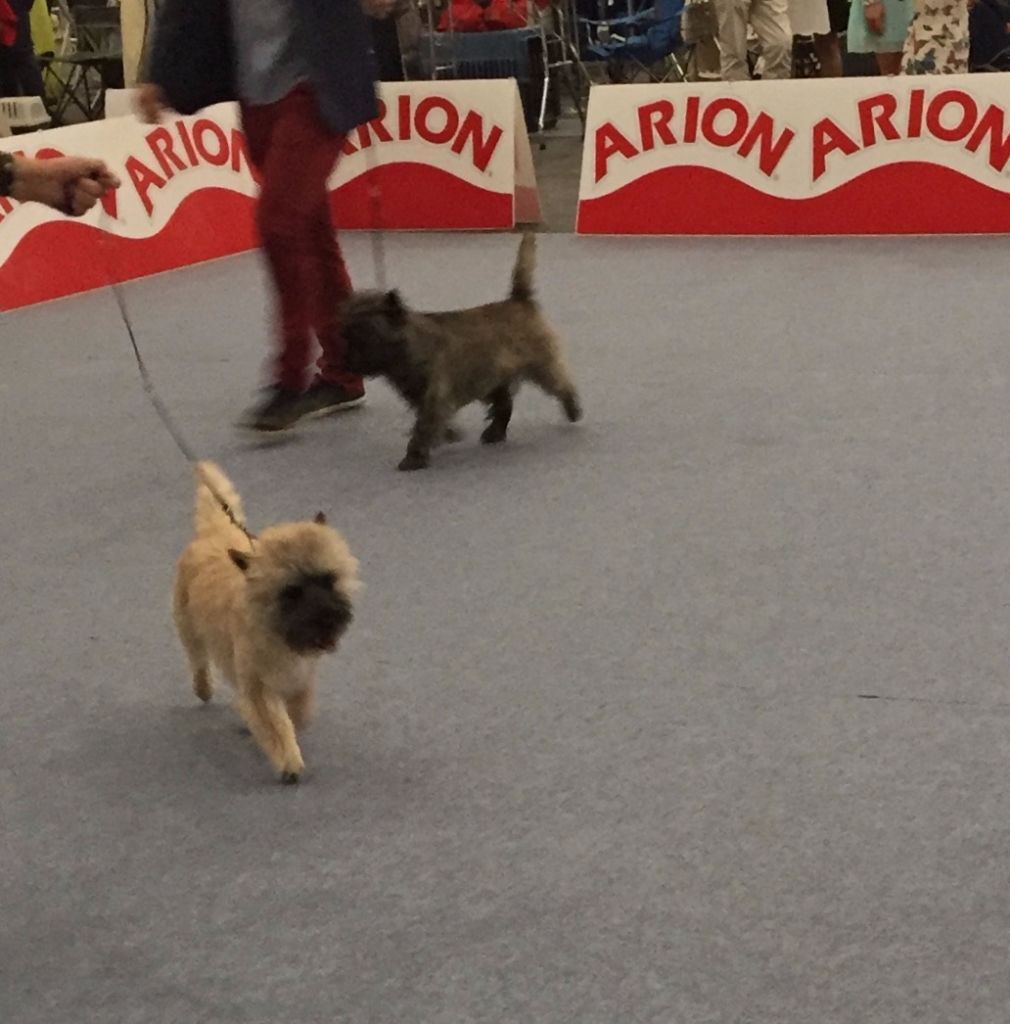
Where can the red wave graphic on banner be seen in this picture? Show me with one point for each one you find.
(65, 257)
(897, 199)
(414, 197)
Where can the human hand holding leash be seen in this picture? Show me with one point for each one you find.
(71, 184)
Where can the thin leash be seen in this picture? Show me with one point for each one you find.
(375, 202)
(167, 421)
(158, 405)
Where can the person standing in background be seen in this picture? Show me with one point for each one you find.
(938, 41)
(819, 18)
(880, 27)
(303, 72)
(20, 74)
(770, 21)
(699, 30)
(43, 31)
(812, 18)
(989, 29)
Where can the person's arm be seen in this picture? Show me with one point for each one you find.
(163, 23)
(71, 184)
(873, 12)
(189, 60)
(151, 102)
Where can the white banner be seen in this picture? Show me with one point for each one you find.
(442, 155)
(863, 155)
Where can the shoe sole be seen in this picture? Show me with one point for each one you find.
(252, 427)
(332, 410)
(263, 432)
(316, 414)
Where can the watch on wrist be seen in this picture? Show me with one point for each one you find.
(6, 174)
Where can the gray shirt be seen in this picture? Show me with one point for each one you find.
(268, 63)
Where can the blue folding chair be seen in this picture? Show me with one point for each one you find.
(638, 40)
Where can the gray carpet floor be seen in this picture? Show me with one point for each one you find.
(695, 713)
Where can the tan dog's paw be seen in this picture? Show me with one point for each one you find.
(202, 685)
(292, 768)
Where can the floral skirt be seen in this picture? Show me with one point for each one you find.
(937, 41)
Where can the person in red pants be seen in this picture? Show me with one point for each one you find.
(294, 152)
(303, 73)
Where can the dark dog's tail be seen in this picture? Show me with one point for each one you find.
(522, 273)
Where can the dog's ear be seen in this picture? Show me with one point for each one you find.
(320, 519)
(240, 558)
(395, 309)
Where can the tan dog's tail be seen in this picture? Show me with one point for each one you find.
(214, 491)
(522, 273)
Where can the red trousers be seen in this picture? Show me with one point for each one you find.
(294, 153)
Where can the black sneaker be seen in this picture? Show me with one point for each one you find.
(277, 410)
(324, 398)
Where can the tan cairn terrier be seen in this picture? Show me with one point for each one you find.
(262, 611)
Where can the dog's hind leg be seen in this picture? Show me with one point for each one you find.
(499, 412)
(552, 377)
(196, 651)
(203, 685)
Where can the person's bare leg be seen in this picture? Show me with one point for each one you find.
(829, 53)
(889, 63)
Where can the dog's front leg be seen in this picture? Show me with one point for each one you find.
(300, 707)
(267, 717)
(429, 429)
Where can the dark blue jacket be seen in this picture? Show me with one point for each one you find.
(990, 40)
(192, 57)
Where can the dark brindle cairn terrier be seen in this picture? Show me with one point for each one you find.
(440, 362)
